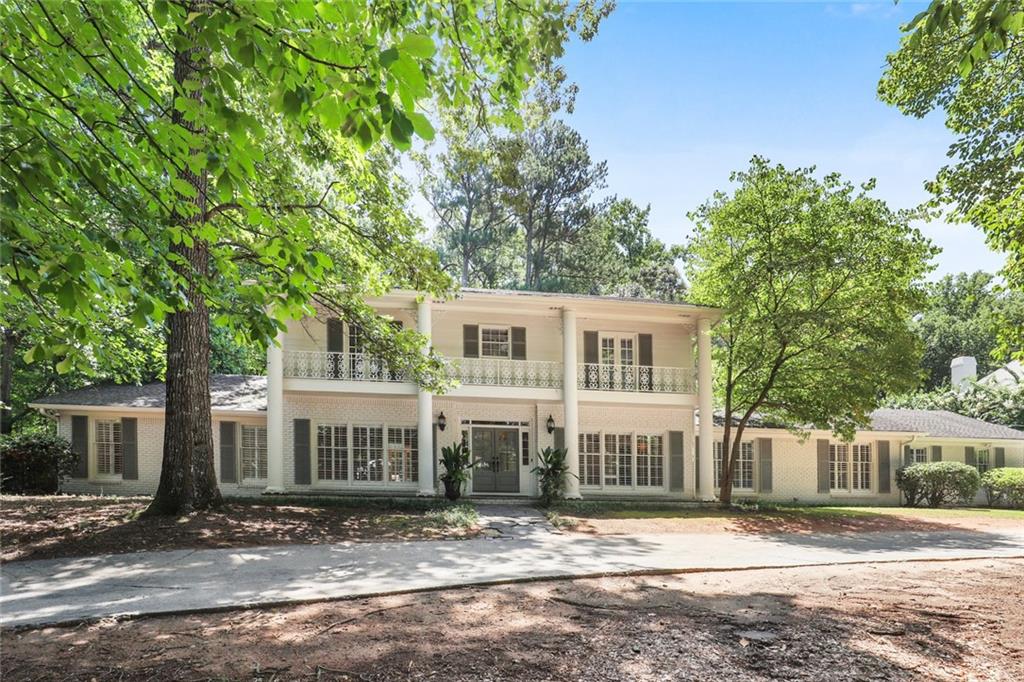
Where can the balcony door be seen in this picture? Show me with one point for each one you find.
(617, 361)
(498, 452)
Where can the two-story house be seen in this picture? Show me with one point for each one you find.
(617, 382)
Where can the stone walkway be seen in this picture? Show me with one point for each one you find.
(506, 522)
(525, 548)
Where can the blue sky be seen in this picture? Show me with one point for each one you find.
(676, 95)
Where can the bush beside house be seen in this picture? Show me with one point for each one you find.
(35, 463)
(1004, 487)
(938, 483)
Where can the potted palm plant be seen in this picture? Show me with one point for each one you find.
(457, 464)
(552, 471)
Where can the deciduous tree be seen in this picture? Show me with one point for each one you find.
(817, 281)
(154, 148)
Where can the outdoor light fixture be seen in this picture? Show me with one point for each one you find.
(441, 421)
(551, 423)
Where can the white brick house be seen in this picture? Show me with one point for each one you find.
(616, 381)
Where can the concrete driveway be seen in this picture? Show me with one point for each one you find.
(66, 590)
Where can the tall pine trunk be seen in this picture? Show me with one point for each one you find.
(10, 339)
(187, 478)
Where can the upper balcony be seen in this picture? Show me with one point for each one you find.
(497, 372)
(511, 345)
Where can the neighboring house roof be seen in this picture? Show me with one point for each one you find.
(237, 392)
(1011, 374)
(941, 424)
(931, 423)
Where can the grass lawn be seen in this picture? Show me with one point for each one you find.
(617, 518)
(45, 527)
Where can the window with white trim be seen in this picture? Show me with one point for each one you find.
(918, 455)
(495, 342)
(332, 452)
(109, 448)
(861, 467)
(618, 459)
(368, 453)
(743, 476)
(650, 462)
(839, 466)
(590, 452)
(403, 455)
(253, 452)
(982, 461)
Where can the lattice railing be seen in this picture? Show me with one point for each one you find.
(504, 372)
(643, 379)
(302, 364)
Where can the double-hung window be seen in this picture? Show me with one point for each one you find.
(109, 448)
(590, 452)
(839, 466)
(743, 476)
(495, 342)
(650, 464)
(254, 452)
(861, 467)
(403, 455)
(982, 461)
(332, 452)
(368, 453)
(849, 467)
(618, 459)
(918, 455)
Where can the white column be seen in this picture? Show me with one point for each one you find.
(570, 403)
(275, 415)
(425, 409)
(704, 388)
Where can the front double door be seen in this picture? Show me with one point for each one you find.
(497, 450)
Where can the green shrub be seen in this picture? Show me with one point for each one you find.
(1004, 487)
(35, 463)
(938, 483)
(552, 471)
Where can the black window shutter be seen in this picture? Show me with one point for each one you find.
(228, 452)
(1000, 458)
(470, 341)
(823, 477)
(675, 460)
(908, 456)
(764, 465)
(518, 343)
(645, 352)
(80, 444)
(884, 467)
(936, 453)
(130, 449)
(696, 463)
(335, 335)
(590, 348)
(302, 455)
(970, 458)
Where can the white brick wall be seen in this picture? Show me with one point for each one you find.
(794, 463)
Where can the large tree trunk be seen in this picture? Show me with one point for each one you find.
(187, 477)
(6, 368)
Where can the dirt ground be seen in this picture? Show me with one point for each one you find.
(66, 526)
(800, 520)
(937, 621)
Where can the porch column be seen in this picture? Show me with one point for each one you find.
(570, 403)
(275, 415)
(704, 394)
(425, 410)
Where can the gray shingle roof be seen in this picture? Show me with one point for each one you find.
(227, 392)
(941, 424)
